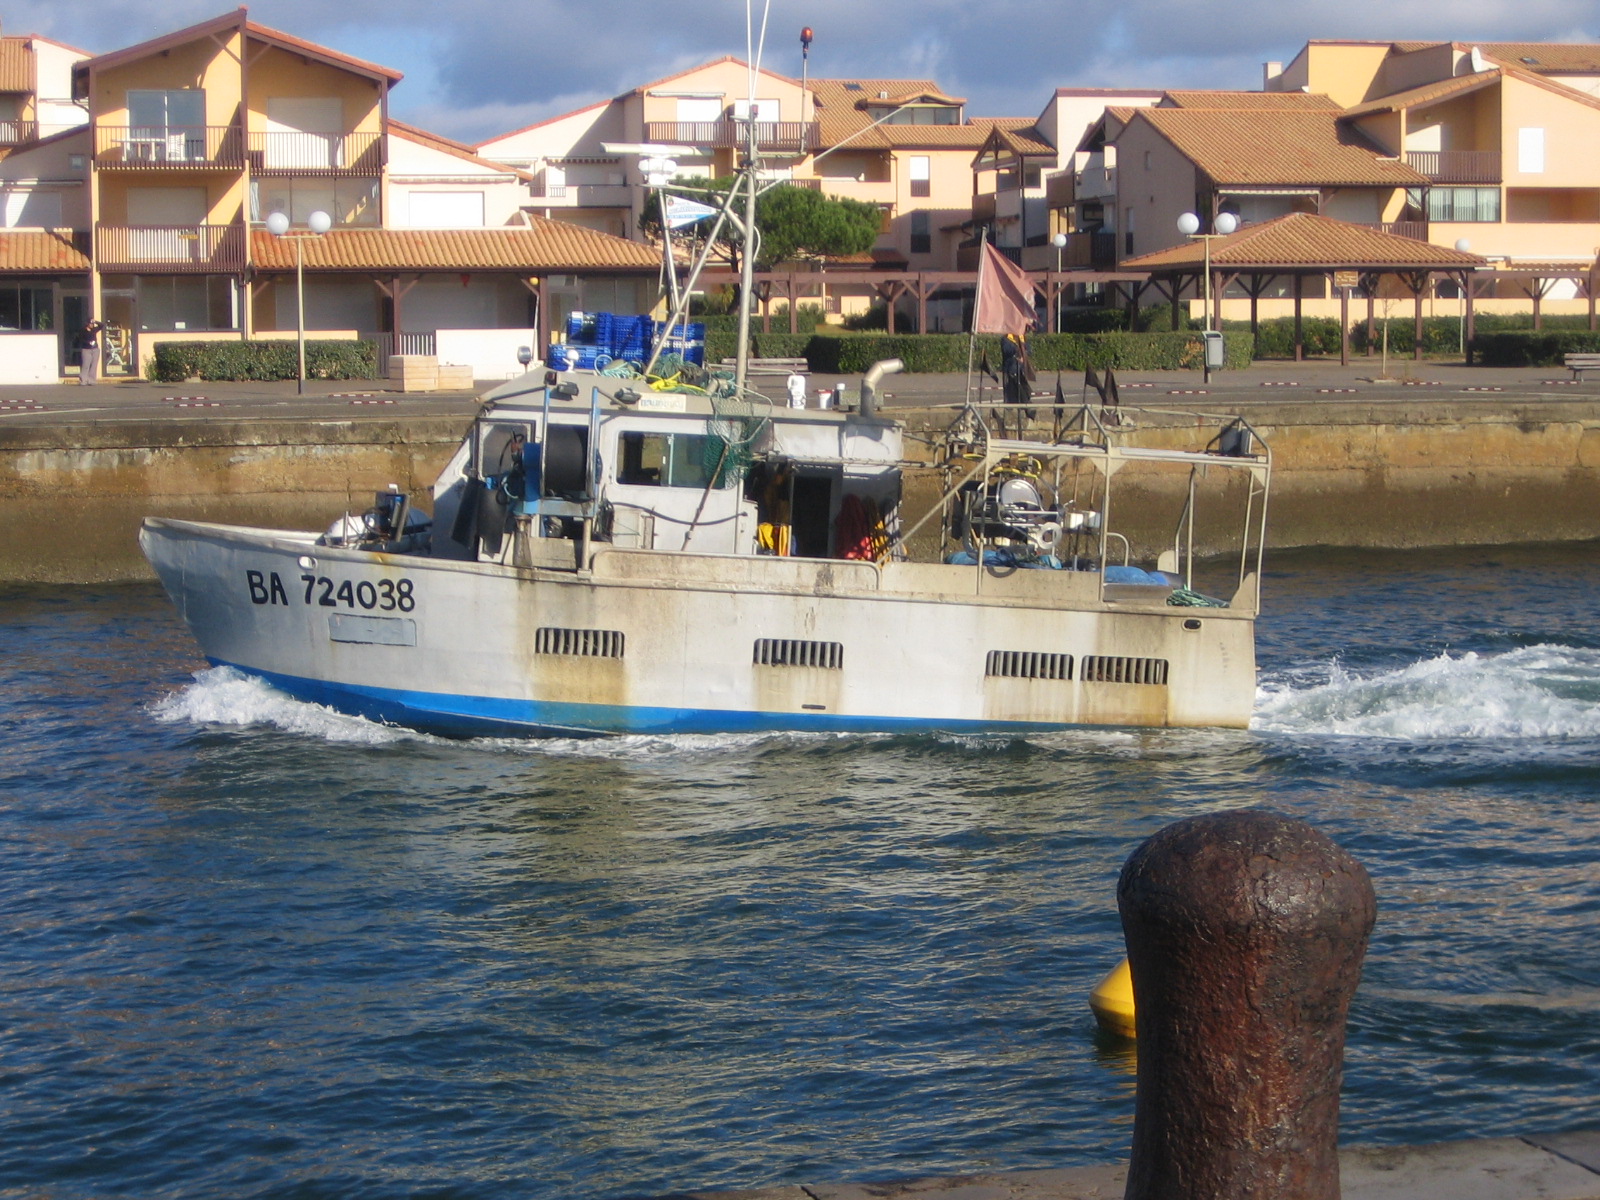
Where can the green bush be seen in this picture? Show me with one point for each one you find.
(851, 354)
(1529, 349)
(214, 361)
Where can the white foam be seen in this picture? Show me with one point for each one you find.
(224, 696)
(1534, 692)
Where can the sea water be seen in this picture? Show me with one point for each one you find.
(255, 948)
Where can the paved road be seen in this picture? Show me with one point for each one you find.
(1265, 382)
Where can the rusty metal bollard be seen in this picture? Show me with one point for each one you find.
(1246, 932)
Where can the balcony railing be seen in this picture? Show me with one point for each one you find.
(167, 249)
(14, 133)
(1456, 166)
(1409, 229)
(316, 153)
(583, 195)
(1089, 251)
(723, 135)
(169, 147)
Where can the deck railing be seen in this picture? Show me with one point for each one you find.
(722, 135)
(14, 133)
(316, 153)
(168, 249)
(1456, 166)
(167, 147)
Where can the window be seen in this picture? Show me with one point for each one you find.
(167, 126)
(917, 114)
(1463, 204)
(1127, 231)
(921, 232)
(670, 460)
(28, 209)
(352, 201)
(766, 110)
(446, 210)
(699, 109)
(921, 174)
(25, 305)
(1530, 151)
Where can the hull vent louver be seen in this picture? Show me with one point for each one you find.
(794, 652)
(578, 643)
(1103, 668)
(1027, 664)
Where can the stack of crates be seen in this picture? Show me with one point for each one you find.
(595, 340)
(688, 342)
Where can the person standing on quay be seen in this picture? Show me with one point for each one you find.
(89, 353)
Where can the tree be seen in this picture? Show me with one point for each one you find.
(792, 223)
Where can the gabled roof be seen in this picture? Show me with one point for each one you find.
(925, 96)
(544, 245)
(1560, 58)
(1304, 241)
(1012, 137)
(715, 62)
(1212, 99)
(461, 150)
(1426, 94)
(1276, 147)
(1461, 85)
(238, 19)
(500, 137)
(42, 250)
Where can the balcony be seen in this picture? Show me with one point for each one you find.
(15, 133)
(582, 195)
(983, 208)
(1456, 166)
(171, 147)
(316, 153)
(170, 249)
(1089, 252)
(792, 137)
(1417, 230)
(1061, 191)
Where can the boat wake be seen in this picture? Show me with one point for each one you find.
(1541, 691)
(222, 696)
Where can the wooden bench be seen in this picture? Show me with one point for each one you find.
(1579, 363)
(773, 366)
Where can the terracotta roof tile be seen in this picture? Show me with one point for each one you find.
(1557, 57)
(42, 250)
(1282, 147)
(1212, 99)
(1425, 94)
(1306, 240)
(16, 65)
(545, 246)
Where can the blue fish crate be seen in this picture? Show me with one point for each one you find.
(694, 331)
(561, 355)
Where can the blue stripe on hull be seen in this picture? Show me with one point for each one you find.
(480, 716)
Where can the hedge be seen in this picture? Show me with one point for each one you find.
(214, 361)
(852, 354)
(1529, 349)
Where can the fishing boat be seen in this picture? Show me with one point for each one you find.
(607, 557)
(653, 549)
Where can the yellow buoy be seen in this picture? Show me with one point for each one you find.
(1112, 1001)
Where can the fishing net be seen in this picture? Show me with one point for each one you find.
(735, 426)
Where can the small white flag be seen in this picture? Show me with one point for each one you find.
(681, 212)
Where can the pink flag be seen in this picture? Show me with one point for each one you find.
(1005, 295)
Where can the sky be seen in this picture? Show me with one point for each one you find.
(476, 68)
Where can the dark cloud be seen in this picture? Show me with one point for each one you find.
(477, 67)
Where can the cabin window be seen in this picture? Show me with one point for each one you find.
(684, 460)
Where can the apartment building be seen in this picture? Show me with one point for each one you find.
(151, 217)
(1483, 148)
(902, 144)
(36, 89)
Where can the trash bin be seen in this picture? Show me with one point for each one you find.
(1216, 352)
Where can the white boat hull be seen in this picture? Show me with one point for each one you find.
(672, 642)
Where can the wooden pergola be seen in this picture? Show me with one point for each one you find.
(1301, 246)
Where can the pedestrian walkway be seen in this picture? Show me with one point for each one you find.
(1563, 1166)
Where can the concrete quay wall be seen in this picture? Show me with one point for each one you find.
(1375, 473)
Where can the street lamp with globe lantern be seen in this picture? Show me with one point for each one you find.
(1221, 226)
(317, 224)
(1059, 241)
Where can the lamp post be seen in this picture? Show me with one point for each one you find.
(1059, 241)
(1465, 246)
(1221, 226)
(317, 224)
